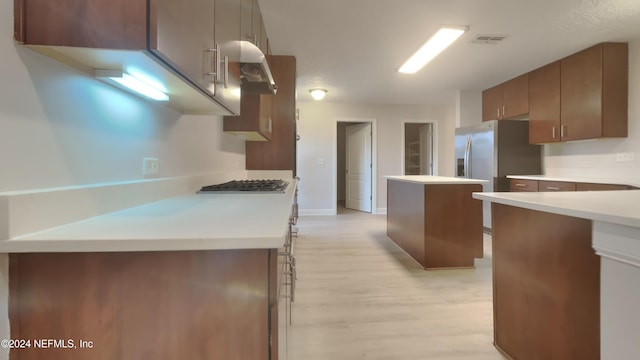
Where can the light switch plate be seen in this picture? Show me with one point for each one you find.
(150, 166)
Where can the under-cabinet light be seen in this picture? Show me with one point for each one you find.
(434, 46)
(131, 83)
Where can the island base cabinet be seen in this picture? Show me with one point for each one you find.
(546, 285)
(141, 305)
(439, 225)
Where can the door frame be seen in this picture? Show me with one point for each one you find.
(374, 161)
(434, 132)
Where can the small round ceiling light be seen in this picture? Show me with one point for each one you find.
(318, 94)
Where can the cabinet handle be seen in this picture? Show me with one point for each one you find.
(562, 131)
(553, 132)
(226, 72)
(553, 188)
(212, 72)
(521, 185)
(216, 70)
(504, 110)
(498, 113)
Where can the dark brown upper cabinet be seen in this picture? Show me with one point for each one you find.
(279, 153)
(254, 122)
(509, 100)
(582, 96)
(594, 92)
(544, 104)
(190, 46)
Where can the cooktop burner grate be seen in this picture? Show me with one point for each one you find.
(242, 186)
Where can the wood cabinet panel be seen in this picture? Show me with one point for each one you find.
(523, 185)
(600, 187)
(119, 24)
(406, 218)
(492, 103)
(448, 207)
(184, 47)
(427, 221)
(544, 104)
(515, 97)
(280, 152)
(594, 92)
(507, 100)
(556, 186)
(148, 305)
(546, 288)
(254, 121)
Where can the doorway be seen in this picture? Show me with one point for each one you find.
(418, 148)
(355, 165)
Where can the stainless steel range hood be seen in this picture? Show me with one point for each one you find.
(254, 70)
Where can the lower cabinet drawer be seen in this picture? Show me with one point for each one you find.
(600, 187)
(556, 186)
(523, 185)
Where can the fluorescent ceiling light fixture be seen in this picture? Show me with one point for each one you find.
(132, 84)
(318, 94)
(434, 46)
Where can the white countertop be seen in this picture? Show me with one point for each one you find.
(620, 207)
(190, 222)
(435, 180)
(579, 179)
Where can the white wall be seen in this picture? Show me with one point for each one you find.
(59, 127)
(317, 126)
(597, 158)
(468, 108)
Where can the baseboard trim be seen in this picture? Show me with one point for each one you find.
(317, 212)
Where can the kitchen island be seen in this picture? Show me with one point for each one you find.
(435, 219)
(196, 276)
(566, 274)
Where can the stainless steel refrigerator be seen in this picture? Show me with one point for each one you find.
(491, 151)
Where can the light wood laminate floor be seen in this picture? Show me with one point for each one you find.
(359, 296)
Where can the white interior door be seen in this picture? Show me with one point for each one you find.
(359, 166)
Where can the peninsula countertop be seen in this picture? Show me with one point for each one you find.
(435, 180)
(618, 207)
(190, 222)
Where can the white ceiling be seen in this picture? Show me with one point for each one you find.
(353, 48)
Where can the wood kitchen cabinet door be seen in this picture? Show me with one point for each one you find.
(227, 36)
(515, 97)
(117, 24)
(600, 187)
(280, 152)
(186, 48)
(544, 185)
(544, 104)
(492, 103)
(594, 91)
(522, 185)
(254, 122)
(507, 100)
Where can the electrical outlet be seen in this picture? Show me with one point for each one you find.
(625, 156)
(150, 166)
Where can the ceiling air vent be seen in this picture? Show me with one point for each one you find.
(488, 39)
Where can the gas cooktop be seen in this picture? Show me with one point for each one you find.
(247, 186)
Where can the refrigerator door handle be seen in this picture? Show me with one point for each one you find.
(467, 155)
